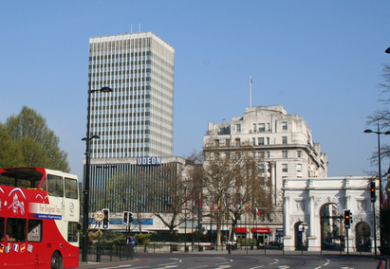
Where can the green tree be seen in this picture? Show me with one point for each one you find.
(34, 144)
(10, 155)
(143, 239)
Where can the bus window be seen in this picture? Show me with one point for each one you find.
(72, 232)
(23, 183)
(16, 230)
(55, 185)
(7, 181)
(1, 229)
(71, 188)
(34, 230)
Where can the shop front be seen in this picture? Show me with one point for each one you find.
(261, 235)
(240, 232)
(279, 235)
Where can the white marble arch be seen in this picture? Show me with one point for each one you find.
(305, 198)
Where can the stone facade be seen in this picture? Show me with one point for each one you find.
(283, 142)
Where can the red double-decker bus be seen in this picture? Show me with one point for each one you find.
(39, 218)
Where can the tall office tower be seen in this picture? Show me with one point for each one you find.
(136, 119)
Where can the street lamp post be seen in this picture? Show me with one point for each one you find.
(378, 132)
(88, 139)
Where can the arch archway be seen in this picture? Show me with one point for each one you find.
(320, 203)
(363, 241)
(332, 230)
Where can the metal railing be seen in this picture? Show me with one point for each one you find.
(107, 252)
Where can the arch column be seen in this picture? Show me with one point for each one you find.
(288, 241)
(314, 227)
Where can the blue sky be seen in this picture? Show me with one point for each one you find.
(321, 60)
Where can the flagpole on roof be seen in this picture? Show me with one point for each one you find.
(250, 91)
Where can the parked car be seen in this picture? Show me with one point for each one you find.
(328, 245)
(275, 245)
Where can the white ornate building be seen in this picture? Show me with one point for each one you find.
(314, 214)
(282, 141)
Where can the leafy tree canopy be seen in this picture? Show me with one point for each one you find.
(25, 140)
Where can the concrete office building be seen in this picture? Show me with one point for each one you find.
(136, 119)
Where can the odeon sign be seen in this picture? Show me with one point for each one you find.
(149, 161)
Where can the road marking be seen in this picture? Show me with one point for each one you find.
(283, 266)
(318, 267)
(276, 261)
(122, 266)
(327, 262)
(256, 267)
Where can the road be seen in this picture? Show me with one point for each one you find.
(219, 261)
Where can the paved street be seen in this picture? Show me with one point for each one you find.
(242, 259)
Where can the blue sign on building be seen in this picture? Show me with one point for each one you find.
(149, 161)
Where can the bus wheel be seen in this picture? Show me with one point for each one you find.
(56, 261)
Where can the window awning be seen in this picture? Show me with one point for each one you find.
(261, 230)
(241, 230)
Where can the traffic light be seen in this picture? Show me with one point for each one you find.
(130, 217)
(372, 190)
(106, 218)
(347, 218)
(125, 214)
